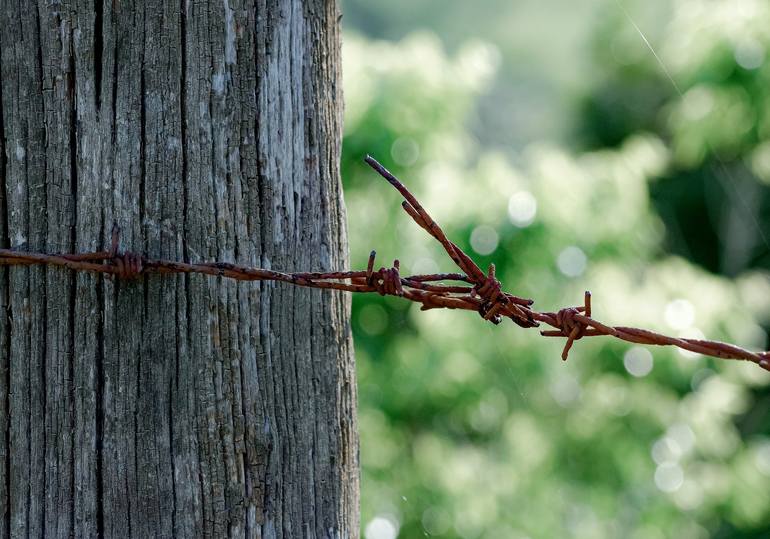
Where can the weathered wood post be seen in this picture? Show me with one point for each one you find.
(174, 406)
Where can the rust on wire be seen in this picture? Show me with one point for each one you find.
(472, 289)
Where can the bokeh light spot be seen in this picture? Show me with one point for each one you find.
(683, 435)
(484, 239)
(749, 54)
(669, 477)
(424, 265)
(381, 527)
(638, 361)
(679, 314)
(698, 103)
(522, 208)
(572, 261)
(666, 451)
(405, 151)
(762, 458)
(565, 390)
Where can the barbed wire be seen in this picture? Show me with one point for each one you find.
(473, 289)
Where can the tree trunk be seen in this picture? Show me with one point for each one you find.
(174, 406)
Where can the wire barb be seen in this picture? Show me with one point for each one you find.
(471, 289)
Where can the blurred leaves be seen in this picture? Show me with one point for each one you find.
(472, 430)
(703, 86)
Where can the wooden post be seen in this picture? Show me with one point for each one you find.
(174, 406)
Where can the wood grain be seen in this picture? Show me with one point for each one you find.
(186, 405)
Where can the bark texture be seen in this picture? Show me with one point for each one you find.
(174, 406)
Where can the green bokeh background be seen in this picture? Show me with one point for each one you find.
(547, 137)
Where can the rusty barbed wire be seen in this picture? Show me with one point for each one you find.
(474, 290)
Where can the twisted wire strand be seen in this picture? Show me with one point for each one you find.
(472, 289)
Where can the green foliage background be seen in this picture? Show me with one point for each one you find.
(650, 188)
